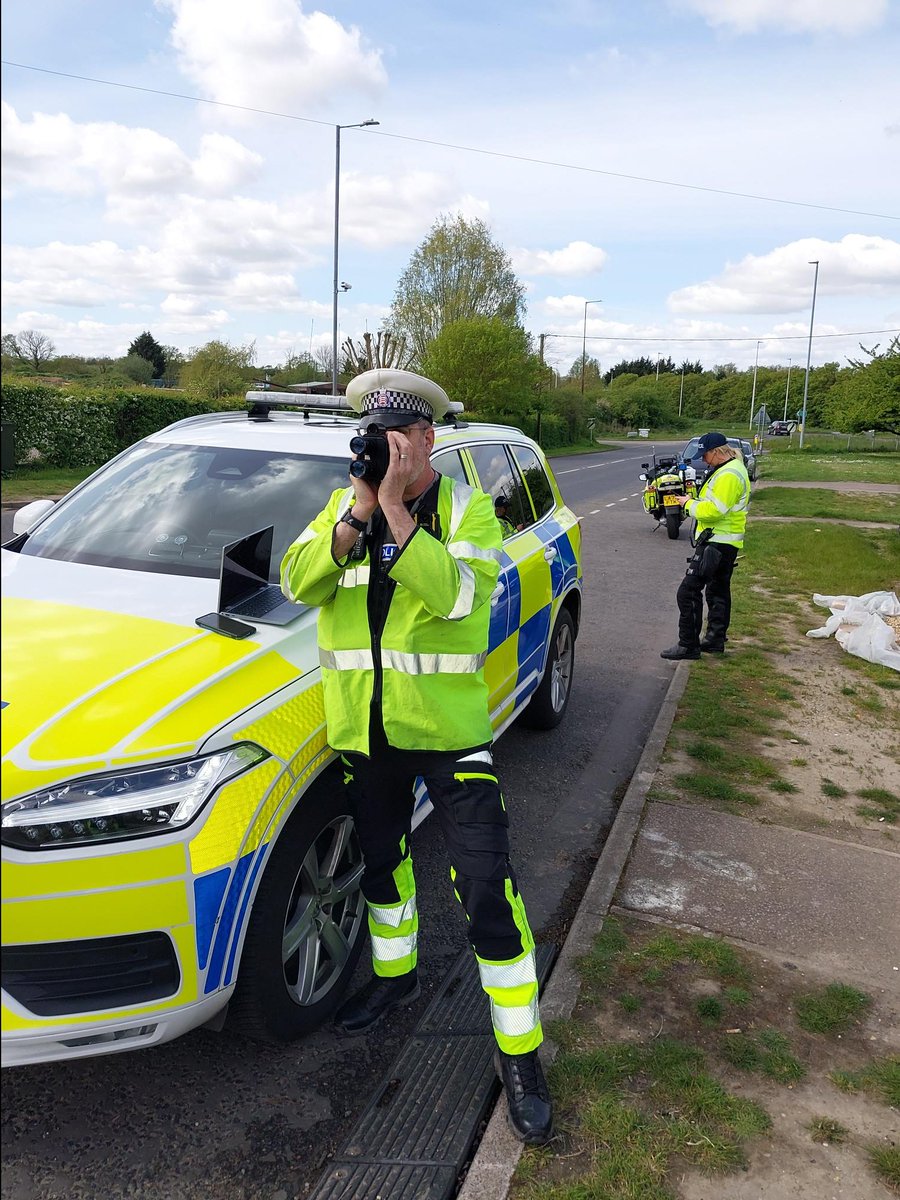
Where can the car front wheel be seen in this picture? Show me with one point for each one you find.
(548, 705)
(307, 927)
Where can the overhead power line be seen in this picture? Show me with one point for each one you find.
(787, 337)
(541, 162)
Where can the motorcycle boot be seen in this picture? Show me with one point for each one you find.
(379, 997)
(679, 652)
(709, 645)
(527, 1096)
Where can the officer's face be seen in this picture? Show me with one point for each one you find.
(420, 440)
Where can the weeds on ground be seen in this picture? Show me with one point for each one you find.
(827, 1131)
(880, 1078)
(885, 1161)
(883, 806)
(831, 1009)
(766, 1053)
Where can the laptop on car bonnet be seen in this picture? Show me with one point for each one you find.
(244, 587)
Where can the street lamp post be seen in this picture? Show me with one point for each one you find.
(337, 208)
(584, 340)
(787, 390)
(812, 317)
(753, 393)
(681, 392)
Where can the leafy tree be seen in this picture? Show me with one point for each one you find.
(30, 347)
(458, 272)
(639, 366)
(299, 368)
(691, 368)
(867, 394)
(146, 346)
(218, 369)
(136, 367)
(591, 370)
(487, 364)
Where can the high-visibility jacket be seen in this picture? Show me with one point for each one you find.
(430, 655)
(722, 503)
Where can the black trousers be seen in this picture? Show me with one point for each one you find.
(716, 583)
(474, 823)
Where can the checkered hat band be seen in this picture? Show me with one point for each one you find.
(385, 400)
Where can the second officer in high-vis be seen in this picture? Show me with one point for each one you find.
(402, 570)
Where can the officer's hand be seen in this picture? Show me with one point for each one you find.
(366, 498)
(682, 499)
(403, 467)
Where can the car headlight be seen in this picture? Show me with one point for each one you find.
(131, 803)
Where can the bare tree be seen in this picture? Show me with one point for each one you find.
(30, 347)
(386, 349)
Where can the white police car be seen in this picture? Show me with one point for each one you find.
(172, 836)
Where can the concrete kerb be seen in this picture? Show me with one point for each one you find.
(491, 1170)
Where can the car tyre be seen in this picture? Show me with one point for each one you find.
(308, 924)
(673, 525)
(548, 705)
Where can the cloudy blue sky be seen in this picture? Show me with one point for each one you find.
(680, 161)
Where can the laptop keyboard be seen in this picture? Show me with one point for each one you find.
(258, 606)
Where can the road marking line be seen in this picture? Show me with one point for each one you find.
(613, 505)
(633, 494)
(571, 471)
(593, 512)
(621, 499)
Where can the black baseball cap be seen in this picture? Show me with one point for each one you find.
(711, 441)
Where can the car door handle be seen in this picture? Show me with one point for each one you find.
(496, 594)
(550, 552)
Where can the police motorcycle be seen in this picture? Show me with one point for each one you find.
(666, 477)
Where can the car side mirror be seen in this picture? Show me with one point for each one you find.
(30, 514)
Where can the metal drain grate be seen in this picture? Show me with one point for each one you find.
(416, 1133)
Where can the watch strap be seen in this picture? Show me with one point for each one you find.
(349, 519)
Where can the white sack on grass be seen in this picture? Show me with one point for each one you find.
(858, 625)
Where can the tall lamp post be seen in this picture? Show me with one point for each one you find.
(681, 391)
(787, 390)
(812, 317)
(753, 393)
(584, 340)
(337, 208)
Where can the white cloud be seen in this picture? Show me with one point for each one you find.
(57, 154)
(782, 280)
(270, 54)
(578, 258)
(792, 16)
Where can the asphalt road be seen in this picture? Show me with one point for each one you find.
(212, 1116)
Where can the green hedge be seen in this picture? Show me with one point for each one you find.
(81, 427)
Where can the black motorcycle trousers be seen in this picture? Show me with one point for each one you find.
(469, 807)
(715, 580)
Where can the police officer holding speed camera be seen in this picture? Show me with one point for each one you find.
(402, 565)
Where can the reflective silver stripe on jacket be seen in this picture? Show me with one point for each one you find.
(470, 550)
(395, 915)
(733, 538)
(720, 505)
(346, 660)
(465, 598)
(515, 1021)
(398, 660)
(389, 949)
(508, 975)
(354, 577)
(460, 498)
(432, 664)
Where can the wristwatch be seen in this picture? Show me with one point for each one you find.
(349, 519)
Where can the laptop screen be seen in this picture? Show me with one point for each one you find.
(245, 567)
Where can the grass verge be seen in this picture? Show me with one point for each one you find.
(816, 502)
(793, 465)
(40, 483)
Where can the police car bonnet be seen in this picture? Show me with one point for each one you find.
(392, 398)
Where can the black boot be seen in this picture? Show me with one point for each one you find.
(679, 651)
(711, 646)
(371, 1003)
(528, 1097)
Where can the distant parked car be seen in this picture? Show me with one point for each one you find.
(782, 428)
(692, 449)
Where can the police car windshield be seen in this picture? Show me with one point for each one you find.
(170, 509)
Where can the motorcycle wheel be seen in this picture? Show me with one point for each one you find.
(673, 524)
